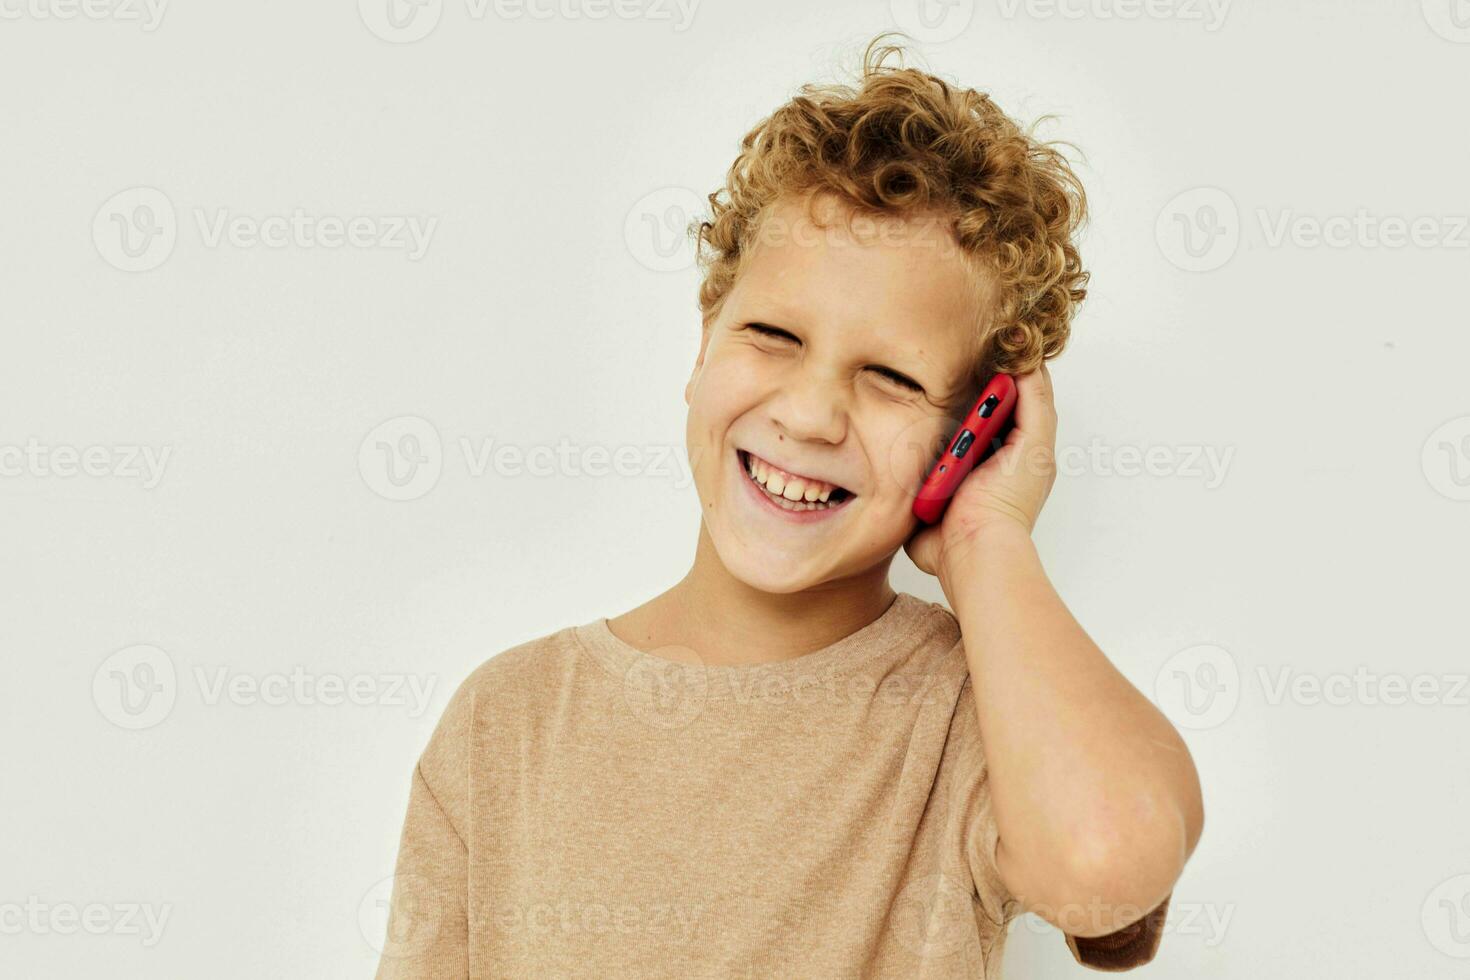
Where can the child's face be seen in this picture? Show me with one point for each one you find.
(817, 391)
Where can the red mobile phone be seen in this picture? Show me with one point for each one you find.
(980, 433)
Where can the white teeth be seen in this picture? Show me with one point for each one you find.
(793, 488)
(797, 494)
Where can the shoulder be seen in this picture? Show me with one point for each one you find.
(502, 681)
(936, 617)
(938, 649)
(508, 674)
(500, 690)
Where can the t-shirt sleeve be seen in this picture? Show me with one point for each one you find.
(1129, 947)
(428, 924)
(1133, 945)
(981, 833)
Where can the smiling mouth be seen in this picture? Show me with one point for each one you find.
(789, 492)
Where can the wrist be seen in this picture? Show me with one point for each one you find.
(983, 542)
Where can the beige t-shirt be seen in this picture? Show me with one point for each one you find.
(586, 809)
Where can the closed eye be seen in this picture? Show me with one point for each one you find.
(770, 331)
(898, 378)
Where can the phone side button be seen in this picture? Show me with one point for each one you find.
(962, 444)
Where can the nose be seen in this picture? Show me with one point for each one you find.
(811, 407)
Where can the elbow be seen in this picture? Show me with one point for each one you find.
(1114, 879)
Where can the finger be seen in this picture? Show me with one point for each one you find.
(1051, 401)
(919, 546)
(1035, 412)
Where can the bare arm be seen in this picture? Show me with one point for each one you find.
(1095, 796)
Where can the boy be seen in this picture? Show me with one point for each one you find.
(780, 767)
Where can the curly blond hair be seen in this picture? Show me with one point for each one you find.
(905, 143)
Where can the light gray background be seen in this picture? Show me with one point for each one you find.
(1332, 378)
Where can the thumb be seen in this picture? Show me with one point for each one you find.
(923, 548)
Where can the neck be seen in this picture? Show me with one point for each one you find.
(730, 622)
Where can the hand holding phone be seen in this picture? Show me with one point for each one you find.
(980, 433)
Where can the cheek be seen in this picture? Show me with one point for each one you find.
(906, 452)
(715, 403)
(724, 392)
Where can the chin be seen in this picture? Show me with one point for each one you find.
(778, 572)
(765, 570)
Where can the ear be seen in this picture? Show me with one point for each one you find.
(698, 364)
